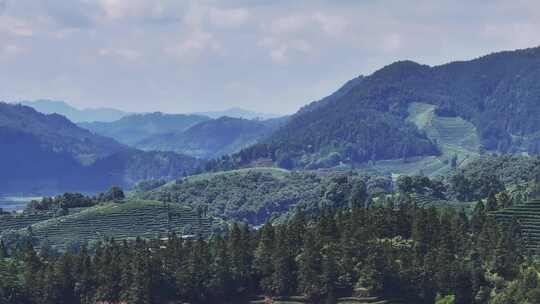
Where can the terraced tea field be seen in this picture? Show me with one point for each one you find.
(452, 134)
(528, 216)
(22, 221)
(427, 201)
(147, 219)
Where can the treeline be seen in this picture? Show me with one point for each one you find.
(397, 250)
(70, 200)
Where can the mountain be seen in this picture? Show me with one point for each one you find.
(213, 138)
(238, 113)
(132, 129)
(47, 153)
(74, 114)
(408, 110)
(56, 133)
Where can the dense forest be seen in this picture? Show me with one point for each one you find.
(394, 250)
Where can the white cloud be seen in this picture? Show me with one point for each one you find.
(141, 9)
(13, 50)
(190, 49)
(284, 51)
(15, 26)
(125, 54)
(228, 17)
(328, 24)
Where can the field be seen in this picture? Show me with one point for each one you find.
(147, 219)
(528, 217)
(22, 221)
(425, 201)
(454, 136)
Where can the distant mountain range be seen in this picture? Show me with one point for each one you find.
(109, 114)
(45, 153)
(74, 114)
(194, 135)
(213, 138)
(238, 113)
(132, 129)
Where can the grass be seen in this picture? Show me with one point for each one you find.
(453, 135)
(127, 220)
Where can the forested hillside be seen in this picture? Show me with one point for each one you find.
(56, 133)
(257, 195)
(366, 120)
(48, 153)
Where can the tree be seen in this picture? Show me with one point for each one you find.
(309, 271)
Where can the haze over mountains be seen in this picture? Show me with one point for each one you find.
(109, 114)
(406, 115)
(48, 153)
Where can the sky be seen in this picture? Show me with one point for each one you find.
(268, 56)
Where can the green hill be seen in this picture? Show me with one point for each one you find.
(250, 195)
(408, 110)
(44, 154)
(126, 220)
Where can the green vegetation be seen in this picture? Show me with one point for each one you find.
(528, 217)
(407, 109)
(122, 220)
(256, 195)
(345, 255)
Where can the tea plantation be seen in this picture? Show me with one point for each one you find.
(126, 220)
(528, 217)
(21, 221)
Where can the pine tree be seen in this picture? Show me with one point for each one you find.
(140, 290)
(309, 272)
(282, 280)
(262, 263)
(3, 250)
(220, 281)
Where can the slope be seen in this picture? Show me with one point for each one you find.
(45, 154)
(367, 120)
(125, 220)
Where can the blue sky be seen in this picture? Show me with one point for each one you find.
(271, 56)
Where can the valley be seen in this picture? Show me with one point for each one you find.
(402, 186)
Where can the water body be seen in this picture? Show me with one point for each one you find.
(15, 203)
